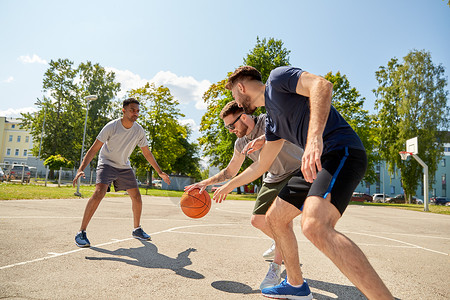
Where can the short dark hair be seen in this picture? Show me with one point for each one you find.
(230, 108)
(241, 73)
(129, 101)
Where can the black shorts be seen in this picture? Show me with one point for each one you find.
(342, 170)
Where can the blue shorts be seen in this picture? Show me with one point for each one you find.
(342, 170)
(123, 179)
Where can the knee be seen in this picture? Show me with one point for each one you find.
(257, 221)
(314, 230)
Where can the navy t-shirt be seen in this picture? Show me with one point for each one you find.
(288, 114)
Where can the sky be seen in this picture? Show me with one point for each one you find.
(188, 45)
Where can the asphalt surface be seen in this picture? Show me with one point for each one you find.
(215, 257)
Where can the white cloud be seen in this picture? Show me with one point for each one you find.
(9, 80)
(26, 59)
(15, 113)
(128, 80)
(191, 123)
(184, 89)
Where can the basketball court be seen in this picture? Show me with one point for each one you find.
(216, 257)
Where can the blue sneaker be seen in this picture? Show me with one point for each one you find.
(287, 291)
(81, 239)
(138, 233)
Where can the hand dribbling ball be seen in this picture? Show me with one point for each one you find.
(195, 205)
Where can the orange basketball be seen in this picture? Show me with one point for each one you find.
(195, 205)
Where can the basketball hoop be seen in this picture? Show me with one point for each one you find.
(405, 154)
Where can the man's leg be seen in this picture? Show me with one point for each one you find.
(259, 221)
(280, 219)
(92, 204)
(318, 222)
(136, 205)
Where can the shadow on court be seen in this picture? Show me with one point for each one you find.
(147, 256)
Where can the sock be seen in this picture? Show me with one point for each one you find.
(137, 228)
(295, 286)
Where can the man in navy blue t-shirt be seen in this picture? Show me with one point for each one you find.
(299, 110)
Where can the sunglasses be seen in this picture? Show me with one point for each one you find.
(231, 126)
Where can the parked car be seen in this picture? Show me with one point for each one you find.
(417, 200)
(361, 197)
(400, 198)
(15, 173)
(157, 183)
(379, 198)
(440, 200)
(2, 175)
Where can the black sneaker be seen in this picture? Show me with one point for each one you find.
(138, 233)
(81, 239)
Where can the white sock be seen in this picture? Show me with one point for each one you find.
(137, 228)
(295, 286)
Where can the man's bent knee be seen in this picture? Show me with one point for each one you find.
(258, 221)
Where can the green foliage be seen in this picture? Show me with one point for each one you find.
(348, 101)
(412, 101)
(65, 108)
(55, 162)
(159, 114)
(217, 142)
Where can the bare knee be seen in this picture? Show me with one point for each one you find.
(315, 230)
(258, 221)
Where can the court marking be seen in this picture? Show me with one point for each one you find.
(114, 241)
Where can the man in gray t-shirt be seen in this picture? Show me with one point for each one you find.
(116, 141)
(249, 129)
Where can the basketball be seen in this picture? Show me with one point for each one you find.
(195, 205)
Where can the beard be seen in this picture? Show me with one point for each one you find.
(247, 105)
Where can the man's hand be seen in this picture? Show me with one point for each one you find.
(221, 193)
(199, 185)
(311, 163)
(165, 177)
(79, 173)
(254, 145)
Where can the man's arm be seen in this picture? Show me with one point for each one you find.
(319, 90)
(96, 146)
(266, 157)
(229, 172)
(151, 159)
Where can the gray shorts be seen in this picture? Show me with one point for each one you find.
(123, 179)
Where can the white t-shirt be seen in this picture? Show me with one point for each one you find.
(119, 143)
(287, 162)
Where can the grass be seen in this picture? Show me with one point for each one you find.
(13, 191)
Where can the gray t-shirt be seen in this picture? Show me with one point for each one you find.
(119, 143)
(288, 161)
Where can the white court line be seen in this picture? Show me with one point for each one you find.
(401, 242)
(415, 235)
(53, 254)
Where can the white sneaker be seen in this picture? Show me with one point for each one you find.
(270, 253)
(273, 277)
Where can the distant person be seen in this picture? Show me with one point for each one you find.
(299, 110)
(116, 141)
(250, 129)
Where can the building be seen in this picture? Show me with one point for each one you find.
(15, 142)
(391, 184)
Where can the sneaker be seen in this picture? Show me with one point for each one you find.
(287, 291)
(81, 239)
(138, 233)
(270, 253)
(273, 277)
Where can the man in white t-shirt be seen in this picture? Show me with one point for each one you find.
(116, 141)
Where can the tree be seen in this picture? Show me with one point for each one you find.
(94, 80)
(412, 101)
(216, 141)
(159, 115)
(56, 162)
(188, 164)
(64, 108)
(348, 101)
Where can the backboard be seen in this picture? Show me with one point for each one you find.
(412, 145)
